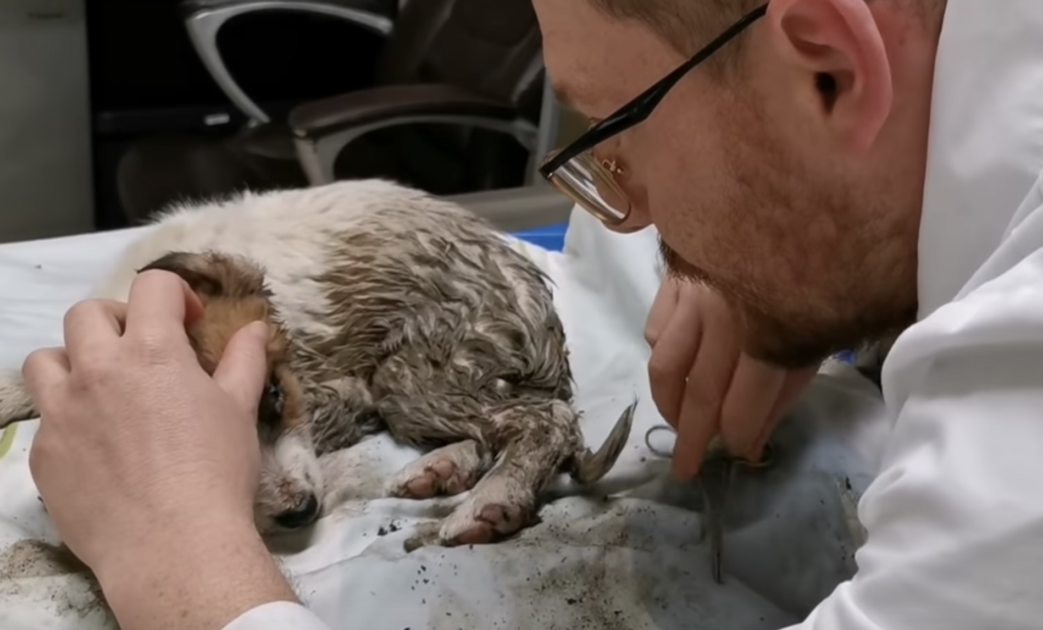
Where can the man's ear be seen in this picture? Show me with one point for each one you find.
(836, 44)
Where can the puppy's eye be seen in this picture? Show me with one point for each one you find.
(272, 402)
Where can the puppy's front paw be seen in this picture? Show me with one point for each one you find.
(15, 403)
(449, 470)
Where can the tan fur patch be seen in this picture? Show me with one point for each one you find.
(233, 294)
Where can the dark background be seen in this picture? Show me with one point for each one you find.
(146, 79)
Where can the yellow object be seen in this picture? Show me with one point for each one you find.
(7, 439)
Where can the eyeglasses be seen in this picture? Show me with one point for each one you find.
(593, 182)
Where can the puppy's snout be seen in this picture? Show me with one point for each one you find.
(304, 514)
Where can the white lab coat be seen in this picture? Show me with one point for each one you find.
(955, 518)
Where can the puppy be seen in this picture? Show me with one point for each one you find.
(390, 310)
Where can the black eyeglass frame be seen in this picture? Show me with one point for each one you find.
(641, 107)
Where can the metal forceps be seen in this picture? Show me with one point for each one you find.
(714, 479)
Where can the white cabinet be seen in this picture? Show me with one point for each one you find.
(45, 159)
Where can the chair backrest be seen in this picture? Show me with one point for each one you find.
(489, 46)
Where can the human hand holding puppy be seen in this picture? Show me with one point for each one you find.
(704, 385)
(148, 465)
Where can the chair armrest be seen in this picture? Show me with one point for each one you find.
(367, 107)
(375, 14)
(323, 128)
(204, 18)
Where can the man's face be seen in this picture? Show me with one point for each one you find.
(793, 184)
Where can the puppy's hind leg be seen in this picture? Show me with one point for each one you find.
(15, 402)
(448, 470)
(536, 438)
(424, 408)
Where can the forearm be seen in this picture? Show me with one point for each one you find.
(200, 579)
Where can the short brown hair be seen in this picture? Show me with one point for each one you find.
(688, 25)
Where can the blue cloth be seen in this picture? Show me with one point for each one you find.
(551, 237)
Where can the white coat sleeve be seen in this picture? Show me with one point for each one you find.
(955, 518)
(277, 616)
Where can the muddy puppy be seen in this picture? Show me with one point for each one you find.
(399, 312)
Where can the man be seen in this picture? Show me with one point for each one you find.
(821, 176)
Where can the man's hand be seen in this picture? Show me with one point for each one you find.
(704, 385)
(147, 465)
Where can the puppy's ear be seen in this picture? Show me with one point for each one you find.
(195, 269)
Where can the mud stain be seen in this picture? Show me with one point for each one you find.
(612, 584)
(36, 572)
(577, 596)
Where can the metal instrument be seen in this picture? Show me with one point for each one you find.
(714, 480)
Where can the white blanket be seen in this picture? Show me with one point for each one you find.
(593, 562)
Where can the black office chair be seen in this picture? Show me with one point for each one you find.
(204, 19)
(455, 109)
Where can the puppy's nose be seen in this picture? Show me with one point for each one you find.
(304, 514)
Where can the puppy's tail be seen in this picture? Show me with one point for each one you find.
(589, 467)
(15, 402)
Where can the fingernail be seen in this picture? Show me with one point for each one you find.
(258, 330)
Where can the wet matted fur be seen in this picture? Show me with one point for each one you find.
(389, 309)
